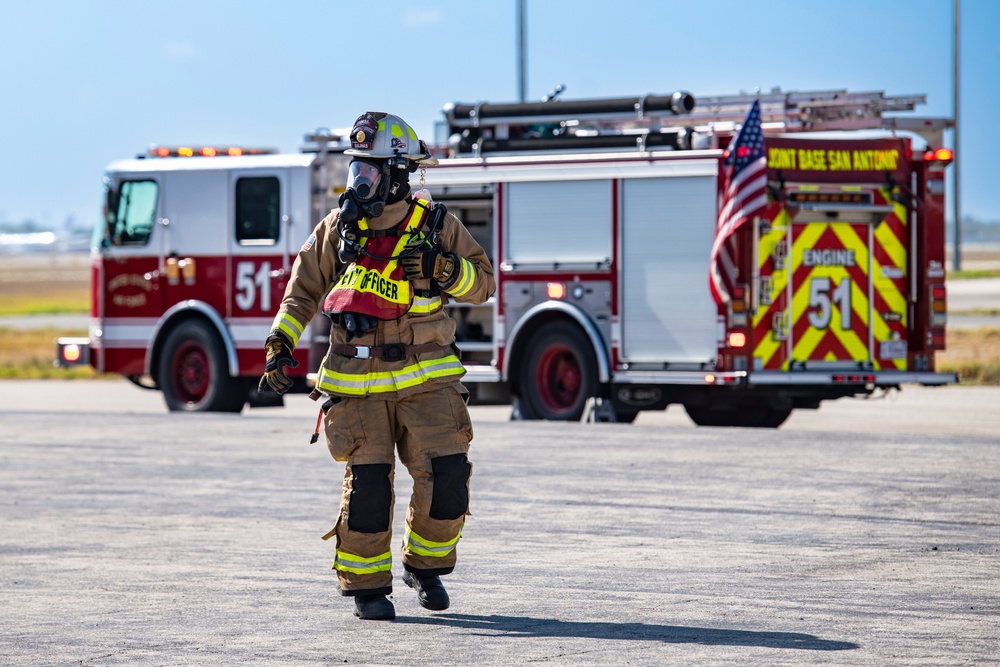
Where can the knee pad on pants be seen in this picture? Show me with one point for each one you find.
(371, 498)
(451, 486)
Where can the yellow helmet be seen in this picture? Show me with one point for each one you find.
(380, 135)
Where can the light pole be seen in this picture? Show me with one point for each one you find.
(522, 78)
(957, 253)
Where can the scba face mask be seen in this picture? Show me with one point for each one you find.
(367, 189)
(364, 178)
(364, 197)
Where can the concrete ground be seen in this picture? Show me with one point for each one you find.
(865, 533)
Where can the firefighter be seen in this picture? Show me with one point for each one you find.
(382, 267)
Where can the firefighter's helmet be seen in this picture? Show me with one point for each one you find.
(378, 135)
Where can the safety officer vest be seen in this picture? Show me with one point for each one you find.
(374, 284)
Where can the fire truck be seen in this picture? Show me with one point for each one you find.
(599, 216)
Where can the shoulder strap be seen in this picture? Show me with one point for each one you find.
(433, 221)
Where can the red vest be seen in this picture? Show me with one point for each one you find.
(377, 287)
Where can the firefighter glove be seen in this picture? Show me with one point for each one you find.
(279, 355)
(355, 324)
(424, 261)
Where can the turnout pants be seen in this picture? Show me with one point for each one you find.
(431, 431)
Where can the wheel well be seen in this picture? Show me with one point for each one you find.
(526, 332)
(165, 330)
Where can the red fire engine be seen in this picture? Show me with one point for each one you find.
(599, 216)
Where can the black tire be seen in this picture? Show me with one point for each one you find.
(776, 417)
(558, 374)
(194, 372)
(746, 416)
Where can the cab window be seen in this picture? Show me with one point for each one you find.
(257, 210)
(133, 220)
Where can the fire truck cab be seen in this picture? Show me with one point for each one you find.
(191, 262)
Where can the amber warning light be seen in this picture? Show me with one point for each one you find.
(72, 352)
(207, 151)
(555, 290)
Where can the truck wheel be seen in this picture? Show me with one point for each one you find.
(747, 416)
(776, 417)
(194, 374)
(558, 375)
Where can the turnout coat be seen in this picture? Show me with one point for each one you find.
(422, 337)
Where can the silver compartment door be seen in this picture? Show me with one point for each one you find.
(559, 223)
(668, 314)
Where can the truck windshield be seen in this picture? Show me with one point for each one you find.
(132, 222)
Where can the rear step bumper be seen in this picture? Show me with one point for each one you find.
(877, 378)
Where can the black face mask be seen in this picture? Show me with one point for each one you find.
(351, 210)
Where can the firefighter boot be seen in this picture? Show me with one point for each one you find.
(430, 591)
(374, 608)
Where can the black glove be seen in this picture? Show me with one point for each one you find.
(355, 324)
(279, 355)
(421, 260)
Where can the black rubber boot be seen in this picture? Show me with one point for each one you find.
(374, 608)
(430, 591)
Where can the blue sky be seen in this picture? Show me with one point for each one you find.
(84, 83)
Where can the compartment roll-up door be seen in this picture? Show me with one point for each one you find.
(565, 222)
(668, 314)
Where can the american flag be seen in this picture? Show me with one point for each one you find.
(744, 195)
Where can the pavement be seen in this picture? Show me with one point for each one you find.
(864, 533)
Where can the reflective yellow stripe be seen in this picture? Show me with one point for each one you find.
(362, 384)
(289, 325)
(425, 547)
(423, 305)
(465, 280)
(359, 565)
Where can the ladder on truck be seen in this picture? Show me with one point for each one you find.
(677, 121)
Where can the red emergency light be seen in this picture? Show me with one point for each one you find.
(939, 155)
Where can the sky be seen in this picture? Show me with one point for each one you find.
(86, 83)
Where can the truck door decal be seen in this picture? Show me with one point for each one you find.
(249, 282)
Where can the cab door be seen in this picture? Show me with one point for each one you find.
(258, 246)
(261, 254)
(129, 288)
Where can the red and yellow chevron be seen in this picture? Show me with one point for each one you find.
(845, 283)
